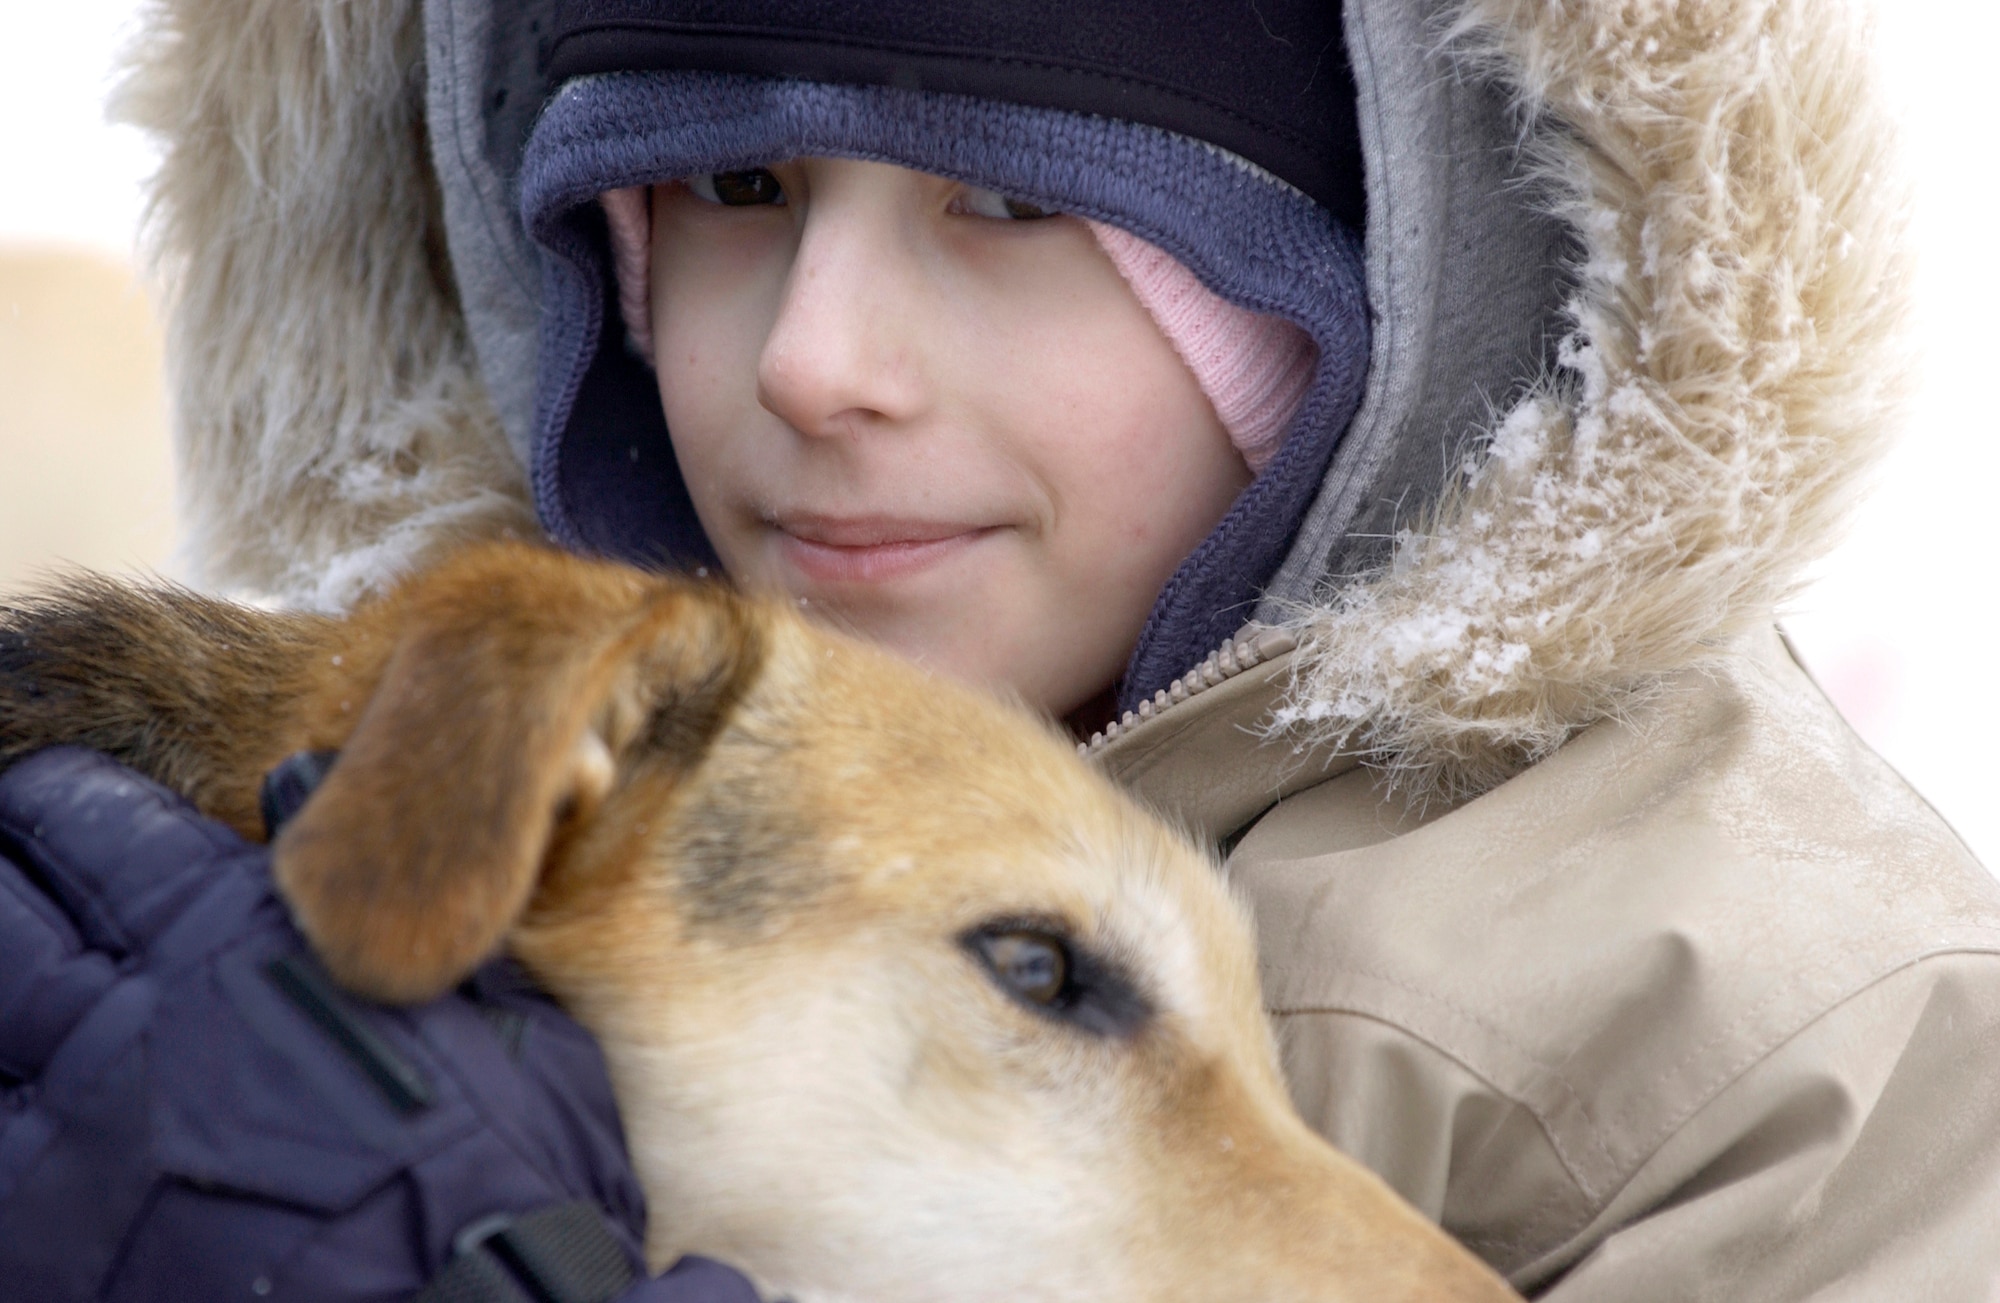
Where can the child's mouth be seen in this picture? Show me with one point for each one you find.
(869, 550)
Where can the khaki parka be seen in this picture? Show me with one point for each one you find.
(1706, 1005)
(1585, 920)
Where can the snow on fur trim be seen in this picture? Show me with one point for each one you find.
(332, 428)
(1733, 367)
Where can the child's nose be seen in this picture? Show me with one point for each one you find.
(846, 350)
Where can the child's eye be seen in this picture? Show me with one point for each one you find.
(991, 203)
(737, 189)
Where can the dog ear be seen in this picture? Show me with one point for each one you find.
(499, 717)
(189, 690)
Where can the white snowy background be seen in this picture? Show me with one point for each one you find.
(1900, 624)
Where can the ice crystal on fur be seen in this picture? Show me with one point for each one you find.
(1731, 366)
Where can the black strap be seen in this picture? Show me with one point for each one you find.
(401, 1082)
(287, 786)
(564, 1254)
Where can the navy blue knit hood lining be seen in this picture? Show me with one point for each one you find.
(604, 473)
(1267, 80)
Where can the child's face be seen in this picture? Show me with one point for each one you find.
(893, 397)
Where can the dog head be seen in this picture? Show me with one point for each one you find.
(898, 996)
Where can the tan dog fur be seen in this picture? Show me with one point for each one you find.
(747, 853)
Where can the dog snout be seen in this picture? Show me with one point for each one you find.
(1268, 1211)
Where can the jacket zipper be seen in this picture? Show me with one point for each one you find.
(1231, 659)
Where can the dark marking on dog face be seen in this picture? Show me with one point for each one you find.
(742, 854)
(744, 861)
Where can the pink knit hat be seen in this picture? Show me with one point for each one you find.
(1255, 369)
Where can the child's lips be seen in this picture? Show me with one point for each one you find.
(870, 550)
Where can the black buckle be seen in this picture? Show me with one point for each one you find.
(563, 1254)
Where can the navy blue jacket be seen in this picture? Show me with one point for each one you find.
(191, 1111)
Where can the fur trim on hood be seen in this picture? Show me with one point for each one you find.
(1725, 376)
(331, 426)
(1730, 374)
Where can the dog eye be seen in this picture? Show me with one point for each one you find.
(1059, 979)
(1032, 966)
(744, 189)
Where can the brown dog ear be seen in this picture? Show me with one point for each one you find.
(514, 682)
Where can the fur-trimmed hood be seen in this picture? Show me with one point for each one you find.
(1636, 267)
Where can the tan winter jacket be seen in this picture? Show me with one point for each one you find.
(1585, 920)
(1704, 1002)
(1706, 1005)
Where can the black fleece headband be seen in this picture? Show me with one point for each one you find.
(1265, 79)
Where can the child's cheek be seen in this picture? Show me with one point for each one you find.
(1165, 472)
(707, 366)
